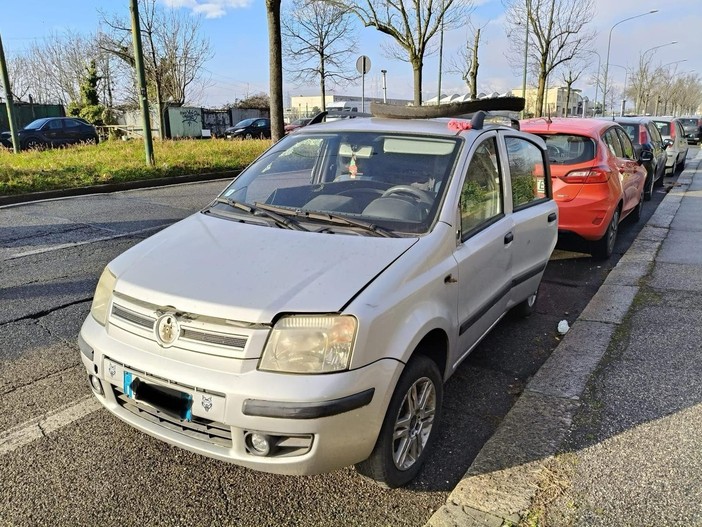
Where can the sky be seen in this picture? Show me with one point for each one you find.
(237, 31)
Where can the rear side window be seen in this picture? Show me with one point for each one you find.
(613, 143)
(663, 127)
(654, 133)
(565, 149)
(632, 131)
(527, 171)
(627, 147)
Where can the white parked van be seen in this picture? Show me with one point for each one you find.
(308, 317)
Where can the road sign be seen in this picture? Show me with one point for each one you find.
(363, 64)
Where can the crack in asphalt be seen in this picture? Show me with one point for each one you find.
(36, 316)
(34, 381)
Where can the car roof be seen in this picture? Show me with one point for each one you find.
(571, 125)
(630, 119)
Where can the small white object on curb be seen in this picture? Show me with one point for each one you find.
(563, 327)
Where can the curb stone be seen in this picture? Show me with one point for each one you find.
(115, 187)
(503, 479)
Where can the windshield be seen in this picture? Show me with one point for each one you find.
(567, 149)
(244, 123)
(35, 125)
(689, 124)
(391, 180)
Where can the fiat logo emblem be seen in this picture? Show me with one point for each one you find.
(167, 329)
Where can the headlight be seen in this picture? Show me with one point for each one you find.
(310, 344)
(103, 293)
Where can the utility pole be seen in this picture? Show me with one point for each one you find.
(141, 82)
(8, 100)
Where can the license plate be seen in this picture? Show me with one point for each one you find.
(171, 402)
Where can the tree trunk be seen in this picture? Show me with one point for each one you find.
(275, 68)
(322, 86)
(540, 93)
(474, 67)
(417, 70)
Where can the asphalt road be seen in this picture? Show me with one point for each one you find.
(65, 461)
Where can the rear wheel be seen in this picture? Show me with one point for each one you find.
(604, 247)
(526, 307)
(408, 430)
(638, 211)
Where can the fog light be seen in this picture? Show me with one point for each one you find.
(95, 384)
(257, 443)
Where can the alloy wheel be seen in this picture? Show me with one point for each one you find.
(414, 423)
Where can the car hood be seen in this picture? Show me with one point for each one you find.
(218, 267)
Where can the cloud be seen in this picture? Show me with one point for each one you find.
(207, 8)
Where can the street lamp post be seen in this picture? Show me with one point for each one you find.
(609, 45)
(526, 57)
(385, 86)
(626, 78)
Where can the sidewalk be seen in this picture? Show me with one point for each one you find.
(609, 431)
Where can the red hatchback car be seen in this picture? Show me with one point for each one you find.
(597, 178)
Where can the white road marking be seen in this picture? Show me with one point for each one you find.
(78, 244)
(25, 433)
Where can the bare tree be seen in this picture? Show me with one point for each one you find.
(319, 43)
(466, 63)
(570, 76)
(275, 68)
(51, 69)
(411, 24)
(557, 34)
(174, 51)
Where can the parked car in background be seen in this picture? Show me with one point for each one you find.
(692, 125)
(645, 136)
(6, 139)
(297, 123)
(673, 135)
(598, 180)
(255, 128)
(54, 132)
(300, 359)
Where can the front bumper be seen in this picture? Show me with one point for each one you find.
(319, 422)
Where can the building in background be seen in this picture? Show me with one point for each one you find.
(555, 102)
(311, 105)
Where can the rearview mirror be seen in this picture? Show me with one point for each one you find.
(667, 143)
(646, 156)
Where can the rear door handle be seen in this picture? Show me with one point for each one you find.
(509, 238)
(552, 217)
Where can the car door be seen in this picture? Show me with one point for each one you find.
(72, 131)
(624, 169)
(484, 246)
(53, 132)
(534, 213)
(658, 150)
(635, 173)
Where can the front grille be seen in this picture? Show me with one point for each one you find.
(231, 341)
(141, 319)
(134, 318)
(199, 428)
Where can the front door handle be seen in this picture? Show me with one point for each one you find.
(509, 238)
(552, 217)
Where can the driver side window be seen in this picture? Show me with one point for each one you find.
(481, 195)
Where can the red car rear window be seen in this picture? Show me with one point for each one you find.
(567, 149)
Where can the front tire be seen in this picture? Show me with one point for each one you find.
(409, 428)
(526, 307)
(638, 211)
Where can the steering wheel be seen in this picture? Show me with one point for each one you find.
(554, 151)
(421, 195)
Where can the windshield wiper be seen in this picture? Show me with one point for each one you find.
(330, 217)
(257, 210)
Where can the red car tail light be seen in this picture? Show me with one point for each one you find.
(672, 130)
(643, 136)
(591, 175)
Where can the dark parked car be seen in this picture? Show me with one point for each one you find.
(645, 136)
(256, 128)
(55, 131)
(693, 129)
(6, 139)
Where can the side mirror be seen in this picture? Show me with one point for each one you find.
(646, 156)
(667, 143)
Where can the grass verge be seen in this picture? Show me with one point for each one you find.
(120, 161)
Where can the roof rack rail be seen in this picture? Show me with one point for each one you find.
(457, 109)
(322, 116)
